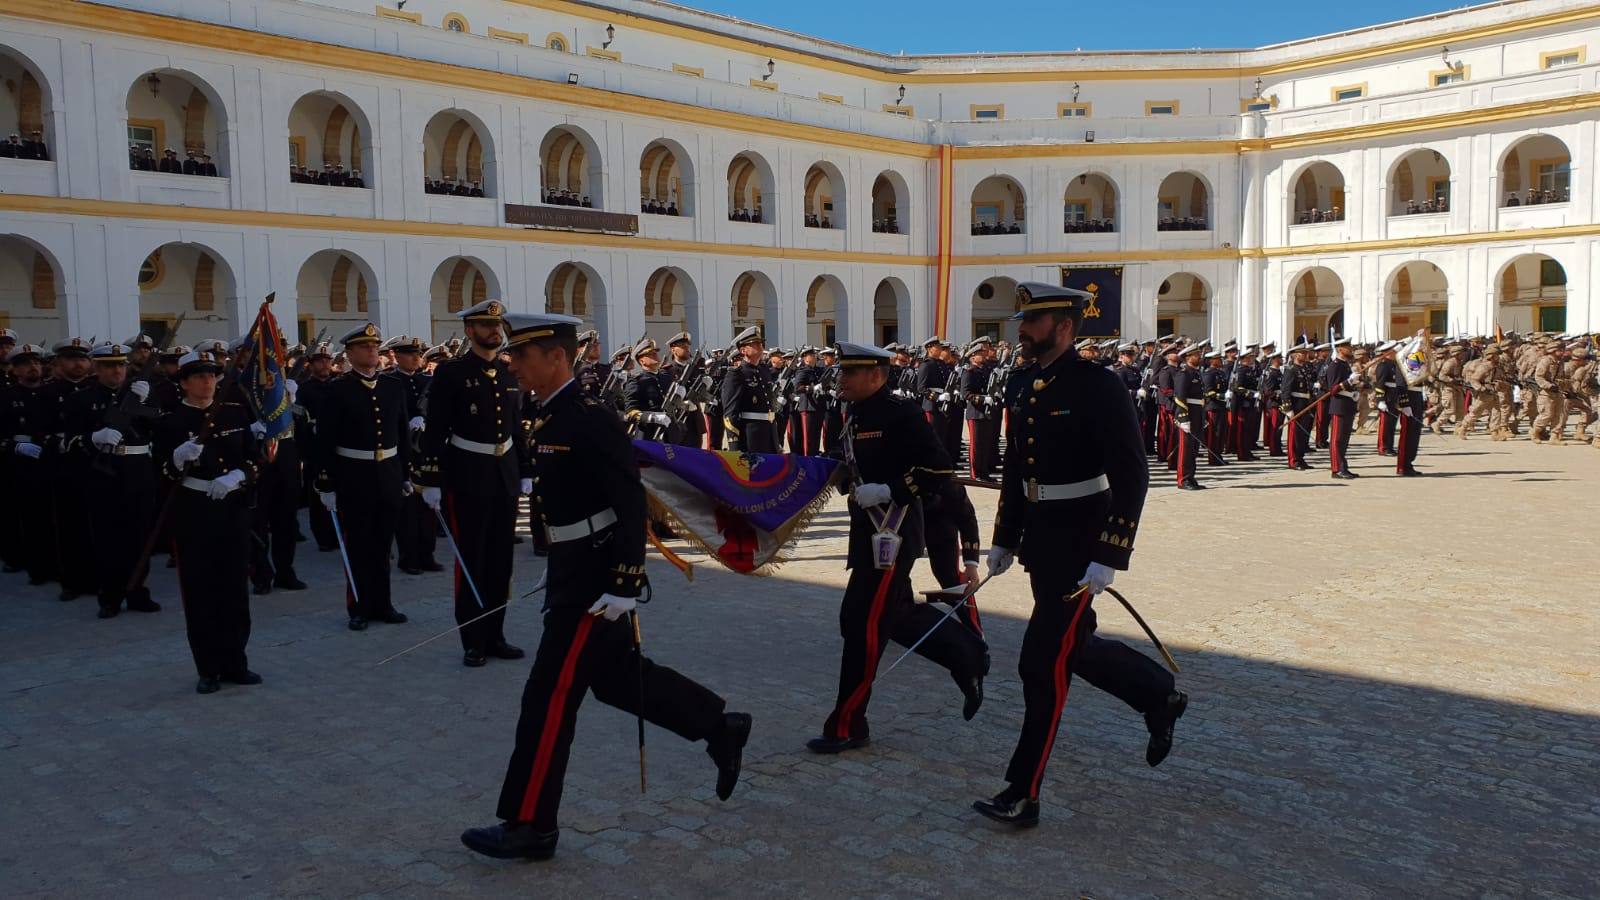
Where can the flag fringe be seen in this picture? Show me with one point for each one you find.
(797, 525)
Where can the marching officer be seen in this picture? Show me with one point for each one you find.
(415, 531)
(1189, 411)
(591, 371)
(895, 459)
(1294, 396)
(692, 429)
(109, 425)
(1345, 382)
(747, 396)
(73, 542)
(364, 450)
(28, 546)
(1069, 509)
(981, 421)
(1244, 405)
(474, 465)
(275, 523)
(645, 394)
(592, 512)
(208, 449)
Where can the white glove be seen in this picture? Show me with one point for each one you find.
(1227, 396)
(259, 429)
(407, 489)
(418, 423)
(969, 573)
(223, 485)
(612, 607)
(1355, 378)
(944, 397)
(1141, 393)
(106, 438)
(432, 496)
(28, 449)
(1383, 406)
(291, 388)
(1000, 559)
(871, 495)
(1185, 426)
(185, 453)
(330, 500)
(140, 389)
(1097, 577)
(526, 486)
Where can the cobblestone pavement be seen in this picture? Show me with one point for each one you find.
(1394, 691)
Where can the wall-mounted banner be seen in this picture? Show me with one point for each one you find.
(1103, 316)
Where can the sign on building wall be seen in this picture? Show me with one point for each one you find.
(1103, 316)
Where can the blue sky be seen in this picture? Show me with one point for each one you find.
(948, 26)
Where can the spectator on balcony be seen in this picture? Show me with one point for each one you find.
(672, 207)
(477, 189)
(356, 181)
(191, 166)
(1511, 199)
(170, 164)
(36, 145)
(207, 167)
(11, 148)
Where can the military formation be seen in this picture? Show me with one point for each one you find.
(409, 457)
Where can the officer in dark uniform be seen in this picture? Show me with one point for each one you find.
(1344, 382)
(74, 543)
(415, 531)
(1271, 385)
(1319, 366)
(310, 393)
(1244, 405)
(827, 394)
(692, 430)
(1214, 384)
(981, 420)
(364, 457)
(1384, 389)
(28, 546)
(895, 460)
(164, 393)
(591, 371)
(208, 449)
(275, 521)
(1165, 387)
(109, 426)
(805, 410)
(778, 360)
(592, 517)
(747, 396)
(645, 394)
(1069, 507)
(1189, 411)
(474, 465)
(1293, 397)
(932, 375)
(1127, 371)
(950, 526)
(1405, 404)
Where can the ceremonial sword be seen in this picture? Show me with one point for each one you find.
(965, 599)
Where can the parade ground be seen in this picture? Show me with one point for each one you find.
(1393, 691)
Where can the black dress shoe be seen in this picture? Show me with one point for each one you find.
(261, 588)
(289, 583)
(726, 749)
(243, 676)
(410, 570)
(299, 538)
(145, 605)
(1409, 471)
(504, 650)
(1190, 486)
(511, 840)
(1021, 812)
(474, 658)
(972, 691)
(393, 616)
(1160, 724)
(1347, 476)
(832, 745)
(358, 623)
(431, 566)
(1350, 474)
(1303, 466)
(207, 685)
(109, 612)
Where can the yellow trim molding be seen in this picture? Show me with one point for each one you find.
(830, 98)
(694, 71)
(764, 85)
(515, 37)
(1139, 148)
(384, 12)
(603, 53)
(1546, 59)
(1460, 119)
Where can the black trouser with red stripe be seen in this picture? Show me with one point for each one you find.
(811, 432)
(878, 606)
(1187, 453)
(1339, 427)
(483, 525)
(943, 536)
(1216, 436)
(1299, 436)
(1385, 432)
(577, 653)
(1273, 430)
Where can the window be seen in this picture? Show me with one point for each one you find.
(1073, 110)
(385, 12)
(297, 151)
(1349, 92)
(1255, 105)
(1438, 320)
(1168, 325)
(1551, 274)
(456, 22)
(306, 329)
(151, 272)
(694, 71)
(1439, 191)
(1552, 318)
(986, 112)
(1454, 75)
(1552, 175)
(1161, 107)
(1166, 207)
(986, 214)
(1076, 211)
(899, 110)
(555, 41)
(146, 135)
(1573, 56)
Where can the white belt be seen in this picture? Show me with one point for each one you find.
(601, 520)
(23, 438)
(133, 450)
(1037, 492)
(1300, 395)
(479, 447)
(378, 455)
(757, 416)
(197, 484)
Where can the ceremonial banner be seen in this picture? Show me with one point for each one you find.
(744, 509)
(264, 373)
(1103, 316)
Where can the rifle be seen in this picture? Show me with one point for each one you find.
(124, 417)
(171, 337)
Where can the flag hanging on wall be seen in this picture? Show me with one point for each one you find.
(1102, 318)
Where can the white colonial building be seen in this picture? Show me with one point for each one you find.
(1433, 172)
